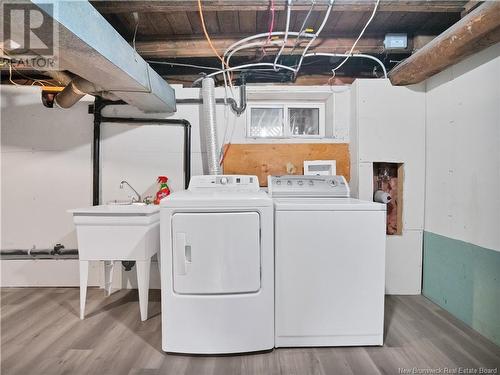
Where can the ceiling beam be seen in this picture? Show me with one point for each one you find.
(200, 48)
(262, 5)
(473, 33)
(304, 80)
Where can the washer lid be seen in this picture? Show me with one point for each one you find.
(326, 204)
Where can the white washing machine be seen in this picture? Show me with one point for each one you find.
(330, 263)
(217, 266)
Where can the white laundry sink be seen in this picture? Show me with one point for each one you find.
(117, 232)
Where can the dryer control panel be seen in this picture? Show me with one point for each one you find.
(224, 182)
(308, 186)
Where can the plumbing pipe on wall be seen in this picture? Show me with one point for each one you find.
(96, 110)
(210, 125)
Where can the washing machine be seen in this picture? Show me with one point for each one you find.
(217, 267)
(330, 263)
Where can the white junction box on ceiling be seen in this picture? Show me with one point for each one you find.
(396, 41)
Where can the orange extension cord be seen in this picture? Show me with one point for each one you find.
(209, 40)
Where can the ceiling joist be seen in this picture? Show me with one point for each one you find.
(200, 48)
(436, 6)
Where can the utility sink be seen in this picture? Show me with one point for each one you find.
(117, 232)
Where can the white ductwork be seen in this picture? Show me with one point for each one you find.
(210, 125)
(92, 49)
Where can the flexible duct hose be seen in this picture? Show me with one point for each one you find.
(210, 125)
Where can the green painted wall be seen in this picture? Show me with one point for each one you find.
(465, 280)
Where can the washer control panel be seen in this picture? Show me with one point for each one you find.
(308, 186)
(224, 182)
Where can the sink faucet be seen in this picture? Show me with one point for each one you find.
(137, 197)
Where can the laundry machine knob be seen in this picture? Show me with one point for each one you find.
(223, 180)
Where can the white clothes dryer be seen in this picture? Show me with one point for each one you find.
(217, 267)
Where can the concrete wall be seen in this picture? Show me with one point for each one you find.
(462, 207)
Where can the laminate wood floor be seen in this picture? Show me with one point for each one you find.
(42, 334)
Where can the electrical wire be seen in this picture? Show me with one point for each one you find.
(304, 52)
(302, 28)
(271, 25)
(285, 38)
(206, 33)
(200, 9)
(242, 67)
(252, 45)
(136, 18)
(10, 76)
(262, 35)
(357, 40)
(249, 45)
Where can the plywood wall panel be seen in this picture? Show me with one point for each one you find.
(272, 159)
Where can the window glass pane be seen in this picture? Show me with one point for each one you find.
(266, 122)
(303, 121)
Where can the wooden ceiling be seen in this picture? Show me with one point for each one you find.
(172, 19)
(172, 31)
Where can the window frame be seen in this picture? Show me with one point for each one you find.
(285, 107)
(264, 105)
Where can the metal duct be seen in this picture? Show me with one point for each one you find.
(77, 89)
(91, 48)
(210, 125)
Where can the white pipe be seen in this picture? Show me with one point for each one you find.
(249, 45)
(262, 35)
(315, 36)
(285, 38)
(245, 66)
(362, 55)
(210, 125)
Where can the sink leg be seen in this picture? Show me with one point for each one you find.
(143, 269)
(84, 276)
(108, 275)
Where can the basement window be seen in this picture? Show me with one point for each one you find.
(291, 120)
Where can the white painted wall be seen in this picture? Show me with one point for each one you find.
(388, 124)
(463, 151)
(46, 167)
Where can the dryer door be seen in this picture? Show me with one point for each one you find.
(216, 253)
